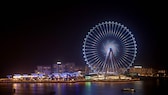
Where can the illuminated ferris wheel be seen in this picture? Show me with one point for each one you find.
(109, 47)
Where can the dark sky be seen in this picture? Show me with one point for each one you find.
(41, 34)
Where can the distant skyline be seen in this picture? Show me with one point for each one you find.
(42, 35)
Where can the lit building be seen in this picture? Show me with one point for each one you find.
(58, 67)
(62, 68)
(69, 67)
(43, 69)
(54, 68)
(140, 71)
(161, 73)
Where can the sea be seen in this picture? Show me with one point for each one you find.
(142, 87)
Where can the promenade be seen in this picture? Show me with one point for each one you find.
(64, 81)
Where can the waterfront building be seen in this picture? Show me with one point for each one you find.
(140, 71)
(43, 70)
(161, 73)
(69, 67)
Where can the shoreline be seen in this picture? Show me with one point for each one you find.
(75, 81)
(5, 80)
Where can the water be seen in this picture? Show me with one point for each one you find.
(145, 87)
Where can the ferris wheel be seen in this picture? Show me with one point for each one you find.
(109, 47)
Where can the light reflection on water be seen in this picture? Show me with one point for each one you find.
(80, 88)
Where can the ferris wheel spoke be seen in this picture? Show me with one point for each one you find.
(91, 45)
(97, 30)
(94, 59)
(121, 32)
(126, 37)
(124, 62)
(91, 57)
(107, 27)
(100, 29)
(120, 64)
(92, 40)
(112, 29)
(130, 50)
(90, 51)
(129, 54)
(127, 59)
(130, 44)
(130, 40)
(115, 28)
(99, 67)
(119, 29)
(95, 39)
(116, 66)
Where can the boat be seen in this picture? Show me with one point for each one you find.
(128, 89)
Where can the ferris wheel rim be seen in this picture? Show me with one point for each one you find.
(121, 35)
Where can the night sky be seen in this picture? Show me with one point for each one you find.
(40, 34)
